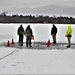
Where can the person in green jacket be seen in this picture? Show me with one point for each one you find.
(69, 35)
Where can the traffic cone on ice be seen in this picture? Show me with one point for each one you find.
(48, 43)
(32, 37)
(12, 41)
(8, 44)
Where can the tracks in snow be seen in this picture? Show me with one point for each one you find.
(8, 54)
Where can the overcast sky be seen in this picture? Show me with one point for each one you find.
(6, 5)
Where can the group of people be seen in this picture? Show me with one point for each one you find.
(68, 34)
(28, 33)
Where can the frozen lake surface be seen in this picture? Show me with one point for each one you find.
(42, 32)
(40, 59)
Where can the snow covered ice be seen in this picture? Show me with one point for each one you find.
(57, 59)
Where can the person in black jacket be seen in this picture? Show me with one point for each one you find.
(20, 32)
(53, 33)
(28, 34)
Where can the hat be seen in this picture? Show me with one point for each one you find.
(21, 25)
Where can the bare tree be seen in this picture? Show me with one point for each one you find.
(4, 13)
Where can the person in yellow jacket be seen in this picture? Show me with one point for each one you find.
(69, 35)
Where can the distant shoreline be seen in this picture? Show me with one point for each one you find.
(33, 19)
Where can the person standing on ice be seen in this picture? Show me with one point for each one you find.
(20, 33)
(69, 35)
(28, 34)
(53, 33)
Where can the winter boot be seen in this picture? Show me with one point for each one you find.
(68, 46)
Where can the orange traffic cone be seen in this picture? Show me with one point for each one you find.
(32, 37)
(8, 44)
(12, 41)
(48, 43)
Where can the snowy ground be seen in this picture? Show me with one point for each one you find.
(56, 59)
(40, 59)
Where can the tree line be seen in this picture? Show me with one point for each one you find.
(35, 19)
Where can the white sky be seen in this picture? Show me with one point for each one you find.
(6, 5)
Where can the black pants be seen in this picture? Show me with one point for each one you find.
(21, 39)
(28, 41)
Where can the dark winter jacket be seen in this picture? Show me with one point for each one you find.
(54, 30)
(20, 30)
(28, 31)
